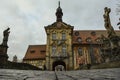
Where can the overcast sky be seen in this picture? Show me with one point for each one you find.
(27, 18)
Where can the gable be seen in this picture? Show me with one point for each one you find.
(35, 52)
(59, 25)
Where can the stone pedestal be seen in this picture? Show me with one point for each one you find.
(3, 54)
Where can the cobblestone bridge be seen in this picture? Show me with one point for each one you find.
(96, 74)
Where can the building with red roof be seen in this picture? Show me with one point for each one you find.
(66, 46)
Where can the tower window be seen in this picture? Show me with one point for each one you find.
(53, 49)
(53, 36)
(63, 49)
(63, 36)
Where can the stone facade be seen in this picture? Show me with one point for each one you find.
(38, 63)
(68, 47)
(59, 43)
(59, 46)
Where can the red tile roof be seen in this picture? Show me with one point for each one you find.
(93, 34)
(39, 51)
(35, 52)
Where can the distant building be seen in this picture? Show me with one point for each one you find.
(66, 46)
(15, 59)
(35, 55)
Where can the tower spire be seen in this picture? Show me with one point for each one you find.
(59, 13)
(59, 3)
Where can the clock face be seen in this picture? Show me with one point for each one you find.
(59, 25)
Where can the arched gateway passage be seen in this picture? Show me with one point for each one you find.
(58, 63)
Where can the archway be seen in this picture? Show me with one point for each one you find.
(56, 63)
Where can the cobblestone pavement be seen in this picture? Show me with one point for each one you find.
(96, 74)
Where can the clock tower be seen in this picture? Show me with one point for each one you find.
(59, 44)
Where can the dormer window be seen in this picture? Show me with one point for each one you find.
(98, 40)
(32, 51)
(93, 33)
(88, 40)
(79, 39)
(76, 33)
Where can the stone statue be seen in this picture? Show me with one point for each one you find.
(111, 47)
(6, 35)
(103, 37)
(107, 24)
(105, 41)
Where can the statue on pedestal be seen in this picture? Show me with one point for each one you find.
(105, 42)
(4, 47)
(5, 38)
(111, 46)
(107, 24)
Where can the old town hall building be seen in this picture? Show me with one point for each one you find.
(66, 46)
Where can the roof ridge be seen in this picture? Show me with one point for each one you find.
(38, 45)
(93, 30)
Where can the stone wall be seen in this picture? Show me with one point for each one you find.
(14, 65)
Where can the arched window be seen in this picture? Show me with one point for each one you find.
(80, 51)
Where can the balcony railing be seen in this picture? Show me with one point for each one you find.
(59, 55)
